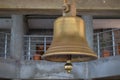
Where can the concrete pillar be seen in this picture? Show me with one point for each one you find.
(89, 29)
(17, 40)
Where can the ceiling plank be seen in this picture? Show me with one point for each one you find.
(54, 7)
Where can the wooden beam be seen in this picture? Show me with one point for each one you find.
(54, 7)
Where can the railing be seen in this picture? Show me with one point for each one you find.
(35, 46)
(4, 45)
(106, 44)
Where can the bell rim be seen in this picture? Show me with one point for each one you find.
(91, 56)
(63, 53)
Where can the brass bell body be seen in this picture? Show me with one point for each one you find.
(69, 39)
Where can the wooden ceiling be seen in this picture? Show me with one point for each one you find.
(54, 7)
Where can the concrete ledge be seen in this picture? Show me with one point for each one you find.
(103, 67)
(49, 70)
(8, 68)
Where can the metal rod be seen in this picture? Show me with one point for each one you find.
(38, 36)
(44, 44)
(29, 47)
(113, 42)
(98, 46)
(5, 56)
(107, 31)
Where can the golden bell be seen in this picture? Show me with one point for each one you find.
(69, 39)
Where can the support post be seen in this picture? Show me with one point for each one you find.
(29, 48)
(17, 37)
(6, 44)
(113, 42)
(98, 45)
(44, 44)
(88, 19)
